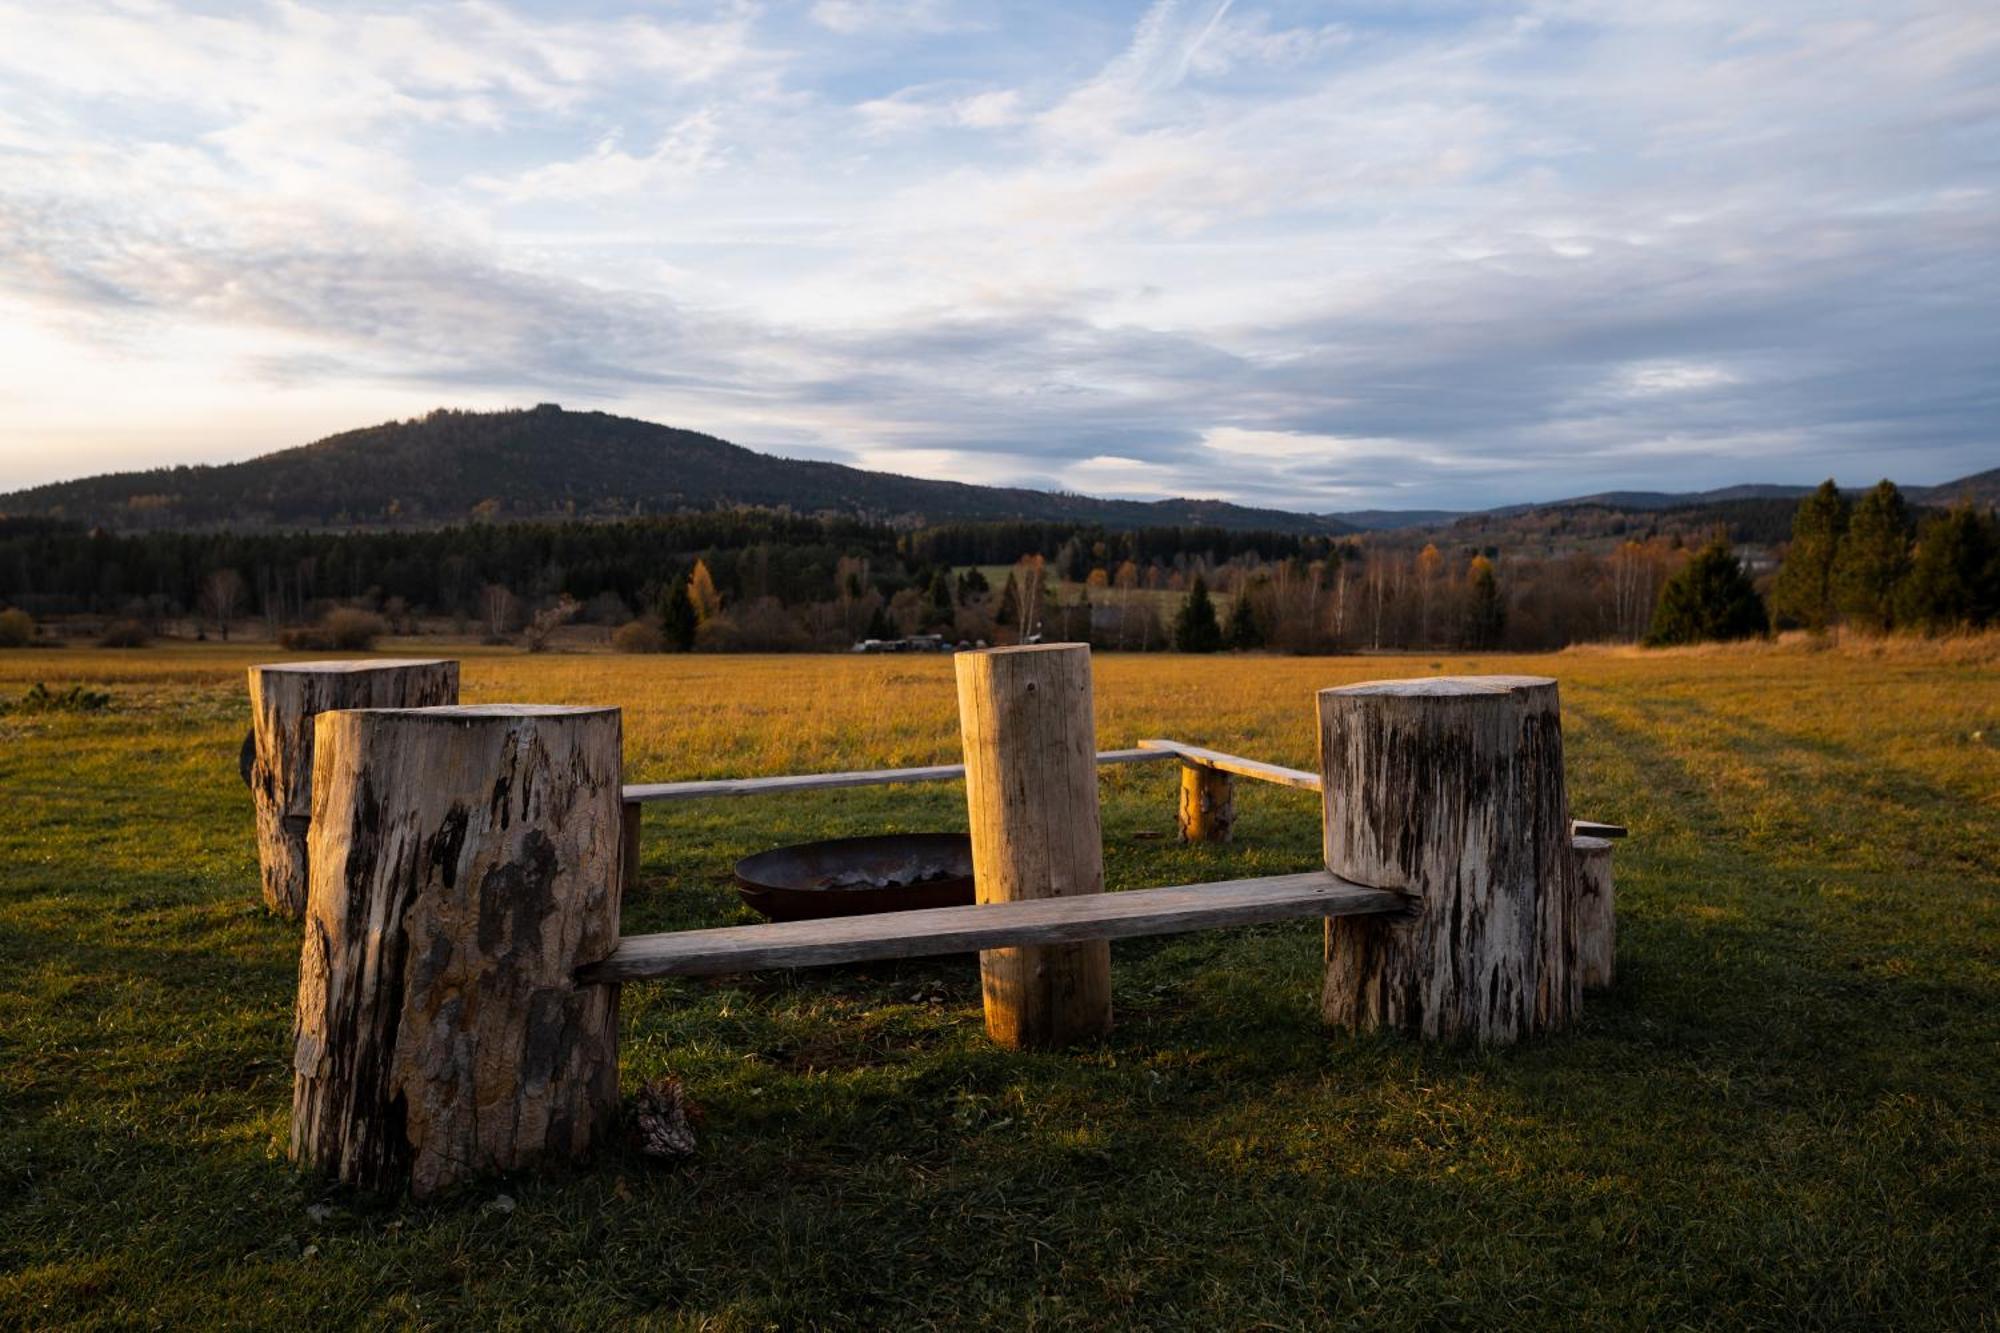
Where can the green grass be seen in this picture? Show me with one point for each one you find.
(1784, 1114)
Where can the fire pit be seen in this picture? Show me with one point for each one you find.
(854, 876)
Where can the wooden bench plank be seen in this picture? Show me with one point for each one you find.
(1585, 828)
(873, 777)
(1237, 764)
(942, 930)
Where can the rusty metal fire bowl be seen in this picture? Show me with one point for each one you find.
(853, 876)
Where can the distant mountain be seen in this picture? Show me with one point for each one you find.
(545, 462)
(1982, 488)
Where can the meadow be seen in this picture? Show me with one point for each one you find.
(1786, 1113)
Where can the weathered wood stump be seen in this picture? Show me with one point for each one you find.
(464, 864)
(1208, 804)
(1450, 790)
(1596, 915)
(1031, 789)
(285, 697)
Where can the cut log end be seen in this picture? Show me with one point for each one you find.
(1450, 789)
(459, 877)
(285, 698)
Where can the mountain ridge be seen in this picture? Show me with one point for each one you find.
(545, 462)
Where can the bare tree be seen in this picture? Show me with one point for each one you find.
(222, 598)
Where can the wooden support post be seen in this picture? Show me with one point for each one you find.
(1450, 790)
(1596, 917)
(1031, 790)
(464, 865)
(628, 856)
(1208, 804)
(285, 697)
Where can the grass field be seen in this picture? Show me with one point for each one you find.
(1786, 1113)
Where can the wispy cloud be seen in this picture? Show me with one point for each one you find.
(1443, 256)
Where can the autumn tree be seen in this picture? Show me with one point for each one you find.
(222, 598)
(702, 594)
(1802, 595)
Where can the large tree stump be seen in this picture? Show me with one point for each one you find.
(1031, 790)
(1208, 804)
(1596, 915)
(464, 864)
(285, 697)
(1450, 790)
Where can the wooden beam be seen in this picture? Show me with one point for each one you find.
(873, 777)
(1584, 828)
(1229, 763)
(945, 930)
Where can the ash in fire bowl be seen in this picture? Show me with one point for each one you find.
(854, 876)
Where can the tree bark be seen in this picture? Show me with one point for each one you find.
(1208, 804)
(1450, 790)
(1031, 791)
(285, 697)
(464, 864)
(1596, 916)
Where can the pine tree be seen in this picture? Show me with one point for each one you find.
(937, 600)
(1874, 558)
(1802, 595)
(1711, 598)
(1485, 613)
(1954, 580)
(677, 618)
(1195, 630)
(1245, 629)
(1009, 614)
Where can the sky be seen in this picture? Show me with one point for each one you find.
(1313, 256)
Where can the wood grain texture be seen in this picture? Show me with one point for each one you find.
(1230, 763)
(463, 864)
(1208, 804)
(285, 698)
(868, 777)
(1451, 789)
(1028, 921)
(1028, 725)
(634, 815)
(1596, 913)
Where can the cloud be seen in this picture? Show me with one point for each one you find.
(1432, 257)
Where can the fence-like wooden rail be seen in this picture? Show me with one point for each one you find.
(646, 792)
(944, 930)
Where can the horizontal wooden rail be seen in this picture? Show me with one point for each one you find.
(871, 777)
(1231, 763)
(1300, 780)
(942, 930)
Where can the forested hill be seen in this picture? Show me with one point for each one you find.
(544, 462)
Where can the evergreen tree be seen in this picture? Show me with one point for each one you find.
(1874, 558)
(972, 585)
(1245, 629)
(879, 626)
(1803, 596)
(677, 618)
(1009, 614)
(937, 600)
(1485, 613)
(1195, 630)
(1711, 598)
(1954, 581)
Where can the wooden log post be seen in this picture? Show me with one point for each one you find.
(1031, 790)
(1450, 790)
(1208, 804)
(1596, 916)
(285, 697)
(628, 858)
(464, 865)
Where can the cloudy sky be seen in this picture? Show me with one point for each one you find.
(1321, 256)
